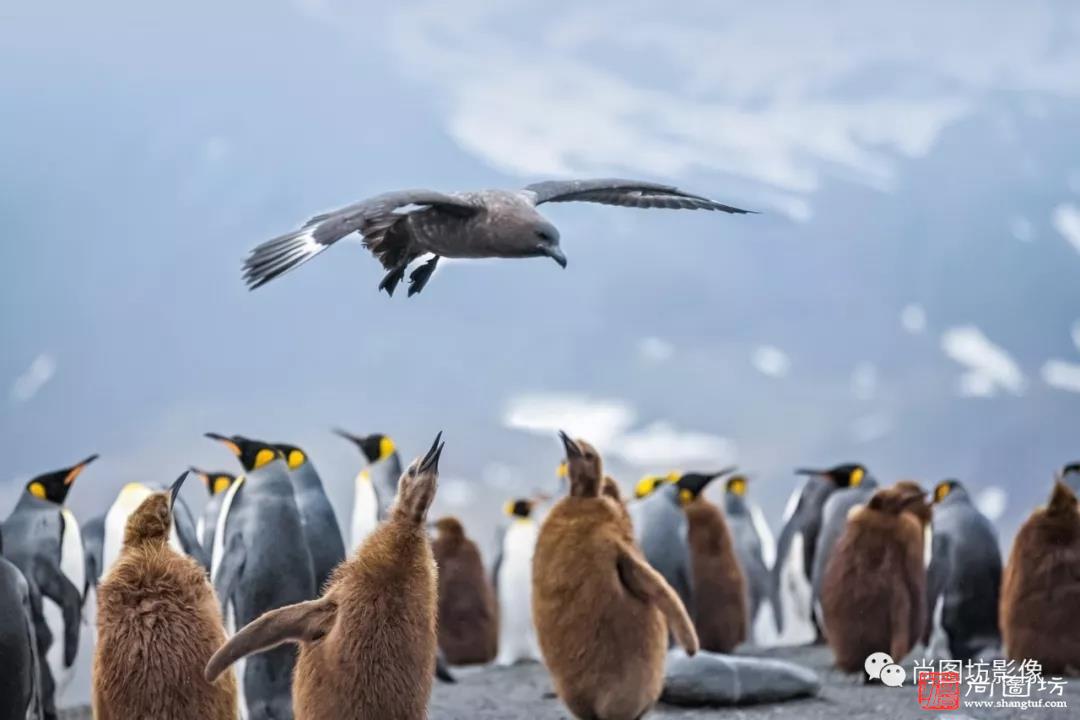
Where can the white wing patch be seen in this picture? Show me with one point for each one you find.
(218, 551)
(796, 597)
(365, 514)
(793, 500)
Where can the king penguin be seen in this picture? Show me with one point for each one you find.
(183, 535)
(1041, 588)
(719, 606)
(376, 483)
(43, 540)
(797, 547)
(512, 579)
(468, 616)
(320, 523)
(217, 484)
(756, 551)
(20, 682)
(259, 540)
(158, 624)
(367, 646)
(834, 516)
(873, 596)
(660, 531)
(965, 572)
(602, 613)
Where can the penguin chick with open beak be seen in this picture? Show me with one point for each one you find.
(158, 622)
(602, 613)
(368, 645)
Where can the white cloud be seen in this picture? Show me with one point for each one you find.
(871, 427)
(654, 350)
(864, 381)
(1067, 222)
(771, 361)
(989, 367)
(595, 88)
(608, 424)
(40, 372)
(1062, 375)
(600, 421)
(913, 318)
(992, 502)
(1022, 229)
(661, 444)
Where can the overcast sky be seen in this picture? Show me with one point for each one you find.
(908, 297)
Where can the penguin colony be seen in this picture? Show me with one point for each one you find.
(880, 568)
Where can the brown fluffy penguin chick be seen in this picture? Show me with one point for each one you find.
(720, 600)
(599, 608)
(158, 623)
(367, 646)
(1041, 588)
(874, 591)
(610, 489)
(468, 621)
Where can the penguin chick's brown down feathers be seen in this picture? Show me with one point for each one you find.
(1041, 588)
(158, 623)
(720, 600)
(874, 590)
(468, 622)
(367, 646)
(601, 612)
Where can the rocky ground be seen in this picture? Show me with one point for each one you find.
(524, 693)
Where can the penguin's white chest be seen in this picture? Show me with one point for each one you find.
(365, 515)
(764, 534)
(796, 596)
(517, 638)
(218, 551)
(73, 565)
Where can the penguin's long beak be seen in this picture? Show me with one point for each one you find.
(431, 460)
(78, 468)
(726, 471)
(227, 442)
(175, 489)
(555, 253)
(811, 472)
(572, 449)
(346, 435)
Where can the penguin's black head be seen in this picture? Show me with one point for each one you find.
(692, 484)
(519, 508)
(846, 475)
(54, 486)
(1072, 468)
(376, 447)
(945, 487)
(253, 454)
(215, 482)
(294, 456)
(584, 467)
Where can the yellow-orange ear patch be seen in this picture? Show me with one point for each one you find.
(295, 459)
(221, 484)
(37, 490)
(941, 491)
(857, 477)
(685, 496)
(263, 457)
(386, 448)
